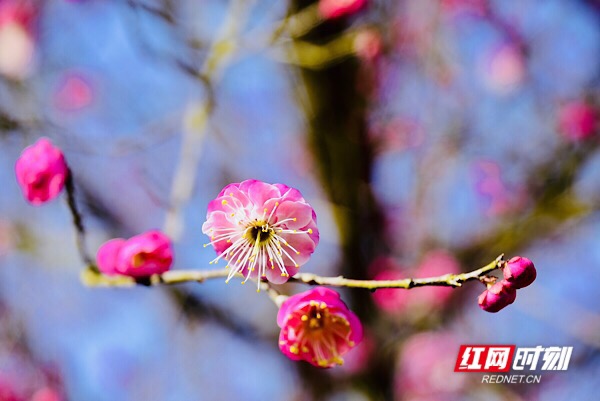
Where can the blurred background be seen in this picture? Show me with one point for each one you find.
(430, 136)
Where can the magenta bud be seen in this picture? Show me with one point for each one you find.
(519, 272)
(497, 297)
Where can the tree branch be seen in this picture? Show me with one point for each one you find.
(77, 221)
(94, 279)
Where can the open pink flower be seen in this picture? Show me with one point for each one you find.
(330, 9)
(317, 327)
(140, 256)
(262, 230)
(41, 172)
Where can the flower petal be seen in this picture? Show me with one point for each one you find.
(107, 256)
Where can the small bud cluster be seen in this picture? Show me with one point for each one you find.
(518, 273)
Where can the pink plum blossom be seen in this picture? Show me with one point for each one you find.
(330, 9)
(426, 366)
(519, 272)
(391, 300)
(577, 121)
(261, 230)
(397, 301)
(497, 297)
(8, 392)
(74, 92)
(107, 256)
(140, 256)
(368, 44)
(398, 135)
(435, 263)
(17, 44)
(456, 8)
(317, 327)
(46, 394)
(503, 69)
(489, 183)
(41, 172)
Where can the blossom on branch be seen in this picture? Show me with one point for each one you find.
(330, 9)
(41, 172)
(262, 230)
(577, 121)
(17, 41)
(519, 272)
(140, 256)
(317, 327)
(497, 297)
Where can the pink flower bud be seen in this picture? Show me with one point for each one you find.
(497, 297)
(41, 172)
(519, 272)
(330, 9)
(317, 327)
(368, 44)
(74, 92)
(140, 256)
(577, 121)
(46, 394)
(425, 367)
(261, 230)
(107, 256)
(17, 41)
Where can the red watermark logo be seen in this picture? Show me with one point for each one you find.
(500, 358)
(484, 358)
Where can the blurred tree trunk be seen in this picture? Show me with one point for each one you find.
(335, 110)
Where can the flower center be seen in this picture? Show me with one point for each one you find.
(41, 182)
(316, 319)
(139, 259)
(257, 244)
(323, 335)
(259, 232)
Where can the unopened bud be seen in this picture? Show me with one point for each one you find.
(519, 272)
(497, 297)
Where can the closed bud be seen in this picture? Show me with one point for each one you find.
(497, 297)
(519, 272)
